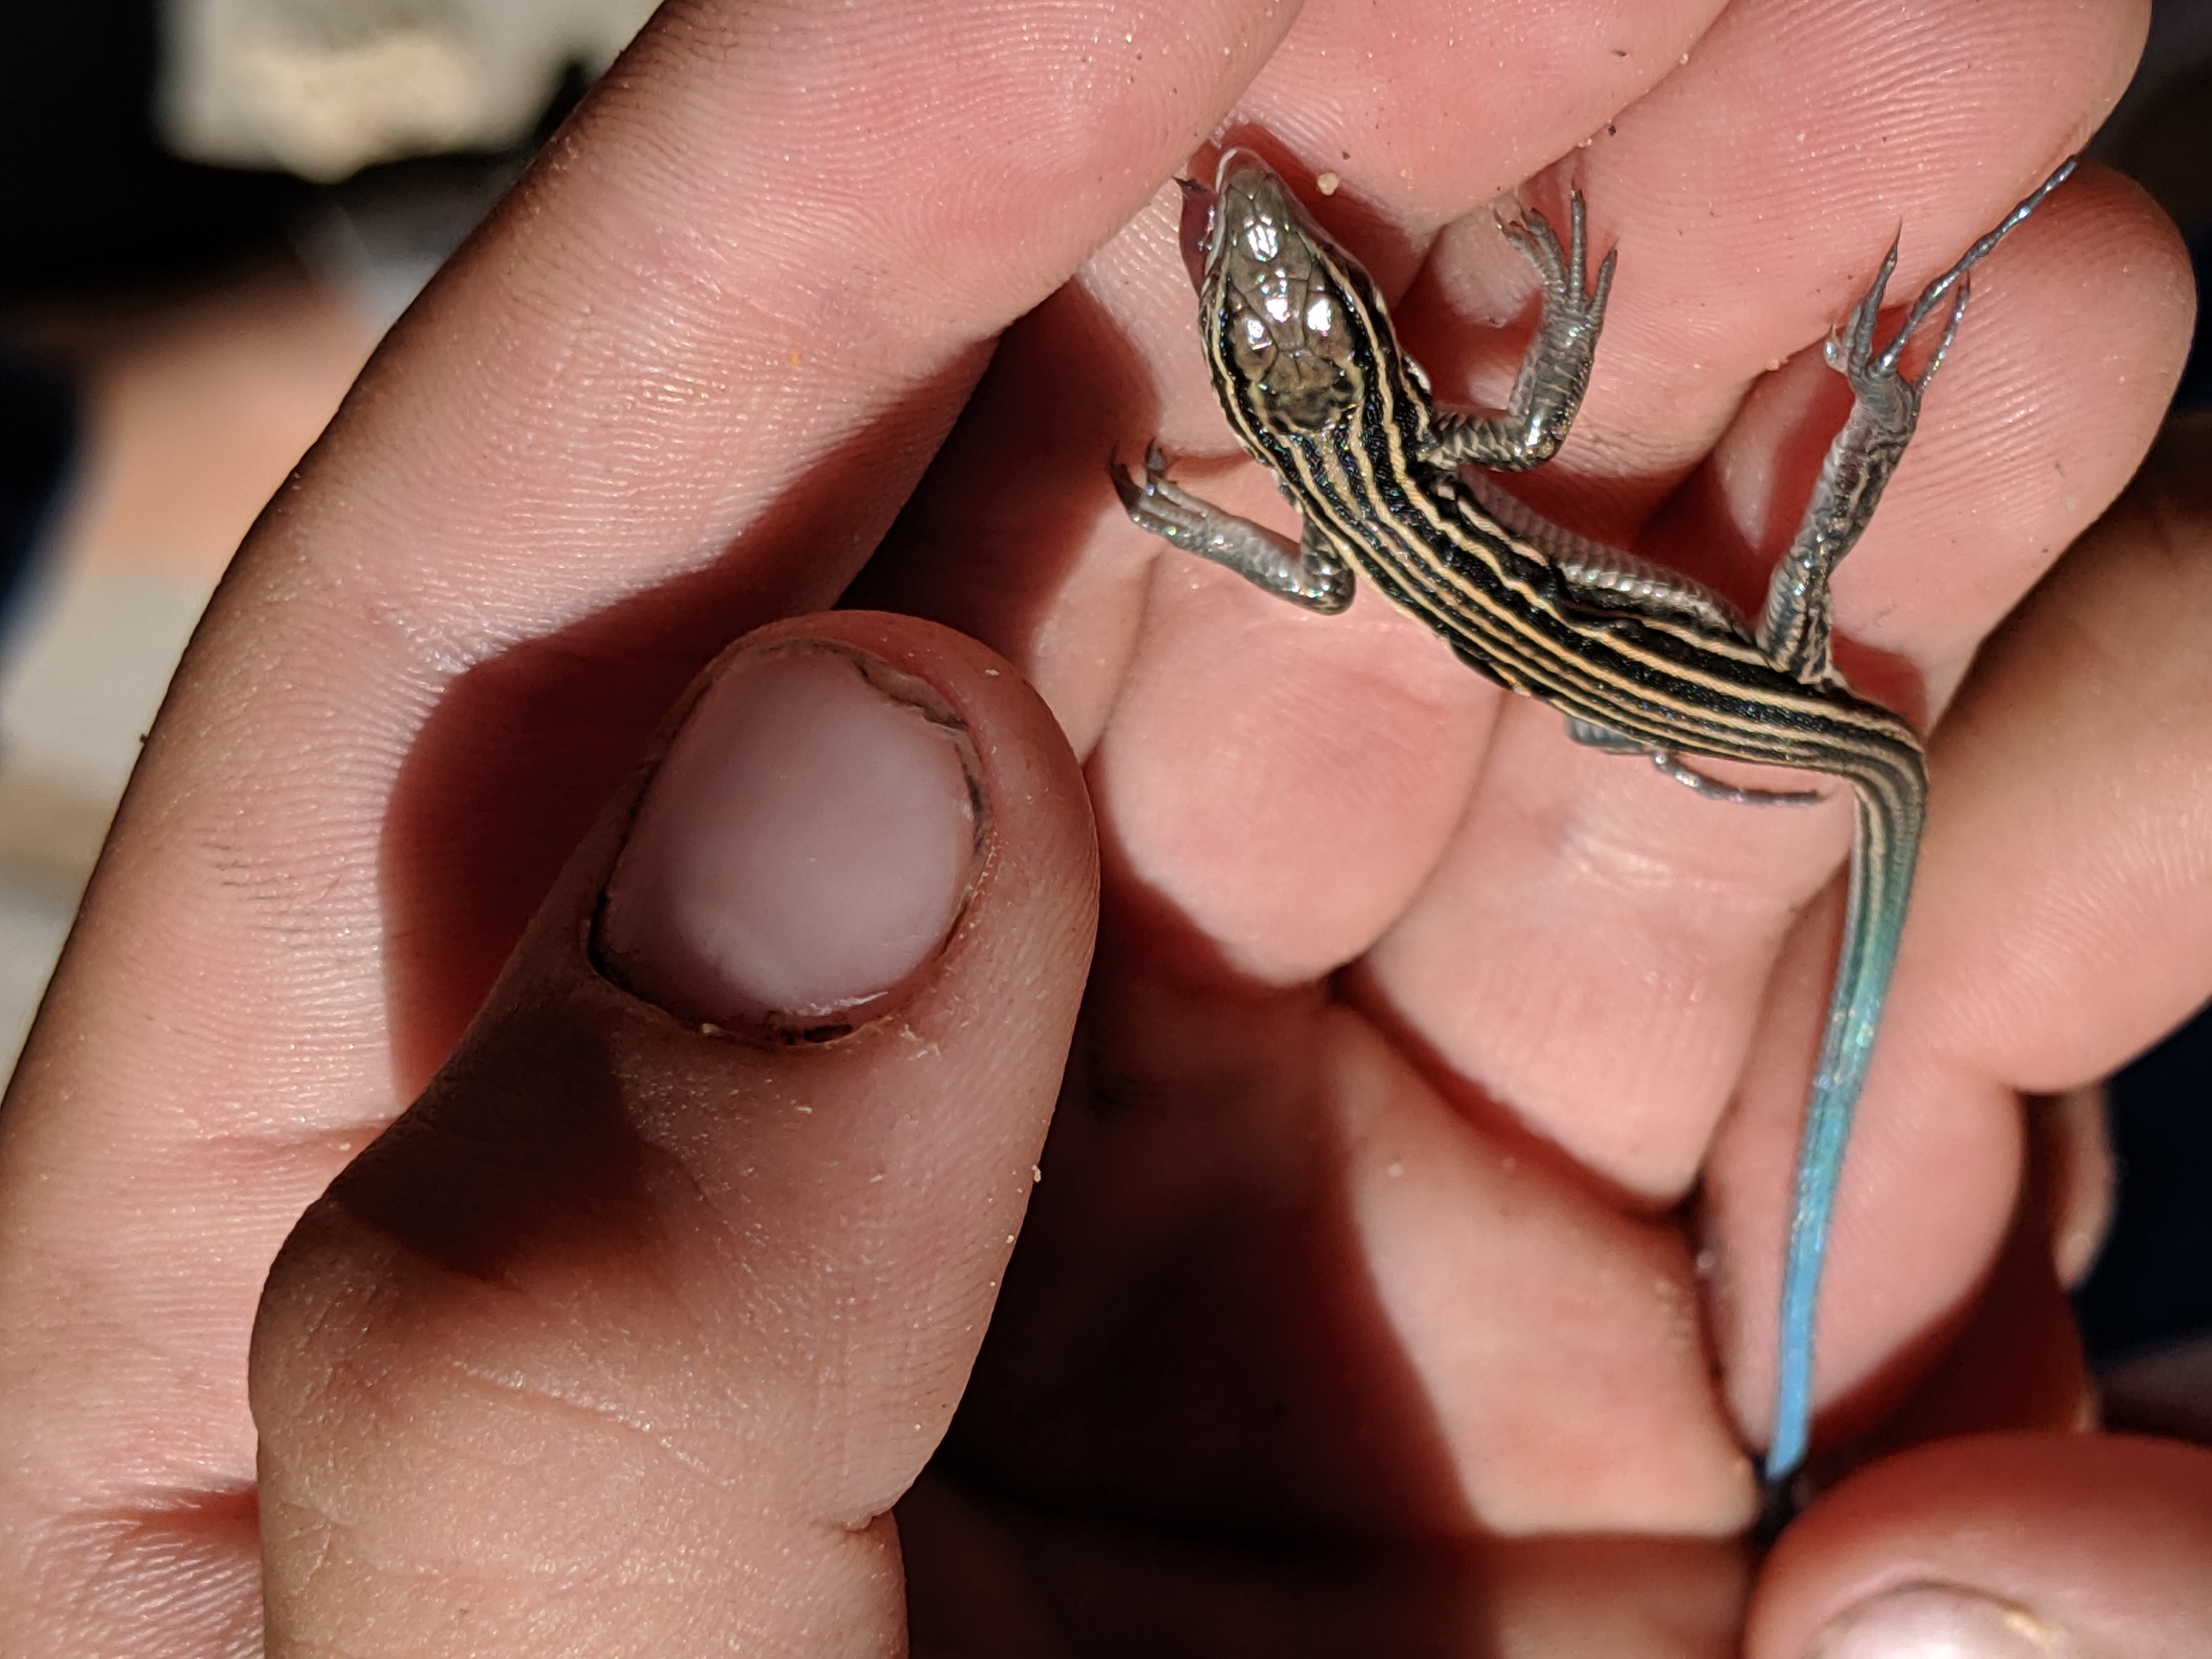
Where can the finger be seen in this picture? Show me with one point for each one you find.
(1334, 1306)
(586, 460)
(2016, 1363)
(637, 1323)
(2057, 931)
(2000, 1546)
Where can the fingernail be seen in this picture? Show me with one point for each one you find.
(803, 850)
(1939, 1621)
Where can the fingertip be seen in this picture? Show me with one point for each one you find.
(1999, 1545)
(807, 843)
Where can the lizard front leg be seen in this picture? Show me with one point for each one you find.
(1555, 372)
(1308, 572)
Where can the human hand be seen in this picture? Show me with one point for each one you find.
(631, 1338)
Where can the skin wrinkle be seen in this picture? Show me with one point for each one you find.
(509, 1393)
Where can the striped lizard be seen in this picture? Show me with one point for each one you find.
(1641, 660)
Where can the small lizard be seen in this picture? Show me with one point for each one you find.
(1639, 659)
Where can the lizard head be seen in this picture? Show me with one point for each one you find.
(1289, 318)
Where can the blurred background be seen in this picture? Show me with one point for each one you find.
(217, 209)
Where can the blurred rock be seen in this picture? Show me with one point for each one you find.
(324, 88)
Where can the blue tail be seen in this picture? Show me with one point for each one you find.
(1883, 853)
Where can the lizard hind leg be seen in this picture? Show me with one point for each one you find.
(1794, 627)
(1593, 735)
(1672, 765)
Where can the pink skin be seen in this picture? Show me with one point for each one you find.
(1411, 1023)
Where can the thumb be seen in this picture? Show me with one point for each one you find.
(628, 1335)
